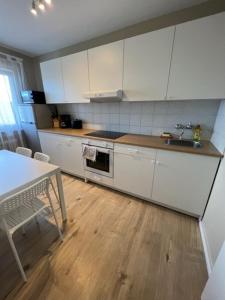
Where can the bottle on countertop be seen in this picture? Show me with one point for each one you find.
(197, 133)
(55, 123)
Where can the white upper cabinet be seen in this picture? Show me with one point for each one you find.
(106, 67)
(147, 60)
(198, 61)
(175, 63)
(75, 76)
(52, 79)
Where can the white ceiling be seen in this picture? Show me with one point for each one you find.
(69, 22)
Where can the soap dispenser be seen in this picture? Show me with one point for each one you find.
(197, 133)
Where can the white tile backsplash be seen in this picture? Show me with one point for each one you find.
(151, 118)
(161, 108)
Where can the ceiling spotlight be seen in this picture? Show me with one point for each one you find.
(33, 9)
(41, 5)
(49, 2)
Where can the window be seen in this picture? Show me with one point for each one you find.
(7, 117)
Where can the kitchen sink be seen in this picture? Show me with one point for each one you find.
(185, 143)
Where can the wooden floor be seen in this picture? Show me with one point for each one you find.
(115, 247)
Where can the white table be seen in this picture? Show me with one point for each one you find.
(18, 172)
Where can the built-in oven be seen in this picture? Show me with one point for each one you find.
(103, 162)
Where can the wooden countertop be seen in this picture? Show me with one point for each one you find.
(141, 140)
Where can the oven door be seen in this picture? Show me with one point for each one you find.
(103, 165)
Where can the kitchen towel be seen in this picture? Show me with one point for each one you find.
(89, 153)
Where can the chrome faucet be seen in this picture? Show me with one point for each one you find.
(181, 134)
(182, 127)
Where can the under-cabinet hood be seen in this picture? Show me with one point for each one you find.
(104, 96)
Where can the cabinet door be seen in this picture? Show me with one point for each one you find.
(72, 161)
(51, 145)
(75, 76)
(198, 61)
(106, 67)
(133, 170)
(51, 72)
(64, 151)
(183, 181)
(147, 60)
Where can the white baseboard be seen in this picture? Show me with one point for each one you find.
(206, 248)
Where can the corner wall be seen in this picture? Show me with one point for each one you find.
(213, 223)
(28, 64)
(218, 137)
(198, 11)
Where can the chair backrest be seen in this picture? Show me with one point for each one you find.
(24, 197)
(24, 151)
(42, 157)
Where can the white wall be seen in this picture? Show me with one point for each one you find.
(218, 137)
(213, 222)
(151, 118)
(215, 288)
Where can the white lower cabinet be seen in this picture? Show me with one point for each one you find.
(64, 151)
(50, 144)
(134, 169)
(178, 180)
(183, 181)
(72, 155)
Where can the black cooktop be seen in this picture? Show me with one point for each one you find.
(106, 134)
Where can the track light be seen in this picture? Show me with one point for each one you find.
(41, 5)
(33, 8)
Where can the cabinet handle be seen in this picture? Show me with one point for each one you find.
(133, 150)
(141, 155)
(153, 161)
(157, 162)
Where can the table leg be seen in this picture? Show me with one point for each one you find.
(61, 195)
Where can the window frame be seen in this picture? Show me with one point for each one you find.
(14, 103)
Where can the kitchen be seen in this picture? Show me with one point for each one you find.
(134, 120)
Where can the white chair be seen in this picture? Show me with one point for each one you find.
(46, 158)
(24, 151)
(42, 157)
(17, 210)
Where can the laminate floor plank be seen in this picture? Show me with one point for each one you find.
(116, 247)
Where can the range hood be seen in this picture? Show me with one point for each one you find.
(104, 96)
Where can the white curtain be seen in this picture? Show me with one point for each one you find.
(11, 84)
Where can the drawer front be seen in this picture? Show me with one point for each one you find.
(135, 151)
(99, 178)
